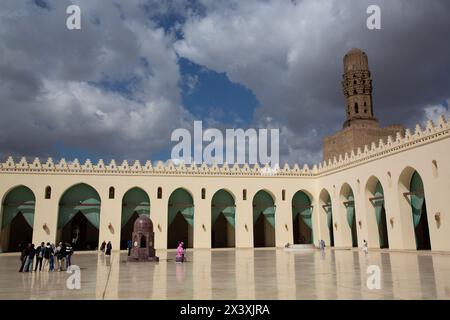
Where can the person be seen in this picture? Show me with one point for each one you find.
(39, 256)
(108, 248)
(365, 248)
(30, 258)
(129, 246)
(61, 256)
(322, 245)
(24, 255)
(287, 245)
(52, 258)
(102, 247)
(180, 253)
(69, 252)
(56, 254)
(184, 251)
(47, 250)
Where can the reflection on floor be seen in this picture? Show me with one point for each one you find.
(238, 274)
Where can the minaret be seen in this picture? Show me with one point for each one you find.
(357, 87)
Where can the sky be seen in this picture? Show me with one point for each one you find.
(139, 69)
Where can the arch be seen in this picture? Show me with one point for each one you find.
(263, 219)
(325, 203)
(374, 194)
(413, 196)
(17, 218)
(135, 202)
(79, 217)
(302, 218)
(347, 205)
(223, 211)
(180, 218)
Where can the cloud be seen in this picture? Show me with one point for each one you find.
(433, 112)
(290, 55)
(111, 87)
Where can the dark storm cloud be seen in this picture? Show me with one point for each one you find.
(290, 56)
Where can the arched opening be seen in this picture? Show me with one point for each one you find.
(417, 201)
(263, 220)
(79, 217)
(17, 219)
(135, 203)
(356, 107)
(181, 219)
(375, 194)
(325, 201)
(223, 210)
(112, 192)
(302, 218)
(348, 202)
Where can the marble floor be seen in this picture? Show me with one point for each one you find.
(238, 274)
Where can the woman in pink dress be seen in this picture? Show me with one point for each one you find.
(180, 253)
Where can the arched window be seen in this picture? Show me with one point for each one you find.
(356, 107)
(355, 92)
(354, 81)
(112, 192)
(203, 193)
(159, 193)
(48, 192)
(283, 194)
(244, 194)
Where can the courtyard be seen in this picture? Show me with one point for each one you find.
(224, 274)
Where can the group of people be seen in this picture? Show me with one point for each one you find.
(106, 248)
(46, 255)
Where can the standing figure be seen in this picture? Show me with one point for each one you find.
(24, 256)
(364, 247)
(108, 248)
(39, 256)
(69, 252)
(129, 246)
(103, 246)
(180, 253)
(52, 258)
(30, 258)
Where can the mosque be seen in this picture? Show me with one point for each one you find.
(389, 186)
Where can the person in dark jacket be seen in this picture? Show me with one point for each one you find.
(103, 246)
(62, 256)
(39, 256)
(24, 255)
(129, 246)
(69, 252)
(30, 258)
(108, 248)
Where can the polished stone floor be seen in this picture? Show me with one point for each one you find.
(238, 274)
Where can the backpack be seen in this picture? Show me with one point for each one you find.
(47, 253)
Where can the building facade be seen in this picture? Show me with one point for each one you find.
(393, 193)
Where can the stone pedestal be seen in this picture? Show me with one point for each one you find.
(143, 239)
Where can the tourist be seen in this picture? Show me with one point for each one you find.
(52, 258)
(364, 247)
(47, 250)
(30, 258)
(180, 253)
(69, 252)
(39, 256)
(108, 248)
(102, 247)
(56, 253)
(24, 255)
(61, 256)
(129, 246)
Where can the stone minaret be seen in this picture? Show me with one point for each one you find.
(360, 128)
(357, 87)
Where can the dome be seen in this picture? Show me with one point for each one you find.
(354, 51)
(143, 223)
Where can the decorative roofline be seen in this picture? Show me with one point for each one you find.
(409, 140)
